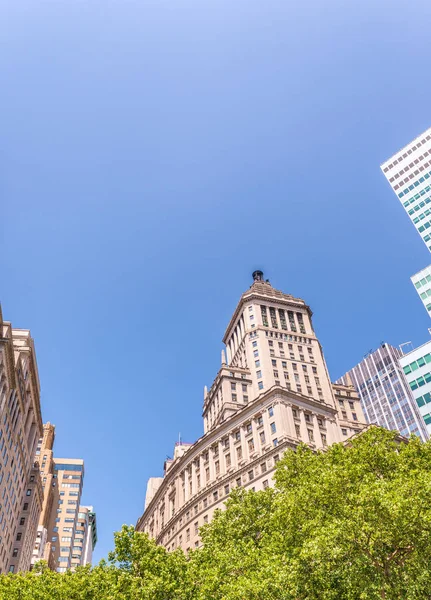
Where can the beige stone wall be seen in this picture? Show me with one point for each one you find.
(20, 427)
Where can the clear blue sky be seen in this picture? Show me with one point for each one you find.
(153, 154)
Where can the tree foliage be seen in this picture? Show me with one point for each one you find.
(350, 523)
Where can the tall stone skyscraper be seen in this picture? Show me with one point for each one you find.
(271, 393)
(20, 428)
(408, 172)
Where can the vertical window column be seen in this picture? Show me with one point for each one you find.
(291, 318)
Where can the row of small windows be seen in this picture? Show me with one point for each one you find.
(282, 319)
(401, 158)
(417, 207)
(415, 198)
(423, 281)
(412, 175)
(426, 294)
(425, 399)
(420, 381)
(417, 364)
(415, 184)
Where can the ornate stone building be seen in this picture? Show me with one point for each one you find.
(271, 393)
(20, 428)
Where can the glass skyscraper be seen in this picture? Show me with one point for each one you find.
(417, 370)
(386, 397)
(409, 174)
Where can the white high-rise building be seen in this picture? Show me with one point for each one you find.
(417, 370)
(422, 283)
(409, 174)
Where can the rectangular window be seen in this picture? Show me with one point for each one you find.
(270, 411)
(273, 428)
(260, 385)
(250, 475)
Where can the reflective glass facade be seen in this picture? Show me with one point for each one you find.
(386, 397)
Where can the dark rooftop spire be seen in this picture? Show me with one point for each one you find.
(257, 275)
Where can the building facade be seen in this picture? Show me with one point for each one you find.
(87, 518)
(416, 366)
(64, 533)
(409, 174)
(422, 283)
(20, 428)
(44, 456)
(272, 392)
(64, 526)
(386, 396)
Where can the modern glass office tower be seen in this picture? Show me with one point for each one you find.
(386, 396)
(422, 283)
(417, 370)
(409, 174)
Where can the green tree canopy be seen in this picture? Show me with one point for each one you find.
(351, 523)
